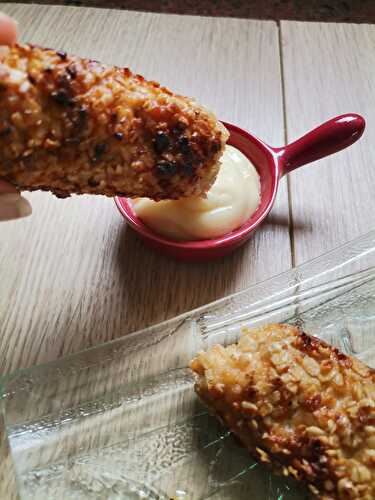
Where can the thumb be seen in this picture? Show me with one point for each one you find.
(8, 30)
(12, 204)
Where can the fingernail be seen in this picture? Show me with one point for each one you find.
(16, 210)
(5, 16)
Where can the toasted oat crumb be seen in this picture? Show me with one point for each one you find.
(318, 429)
(72, 125)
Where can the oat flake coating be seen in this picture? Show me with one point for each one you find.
(71, 125)
(298, 405)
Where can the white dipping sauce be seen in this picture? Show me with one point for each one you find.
(230, 202)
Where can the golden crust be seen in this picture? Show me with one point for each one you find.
(298, 405)
(72, 125)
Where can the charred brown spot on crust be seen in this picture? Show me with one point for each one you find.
(307, 342)
(161, 142)
(184, 145)
(277, 382)
(73, 140)
(72, 71)
(93, 182)
(215, 146)
(166, 168)
(63, 82)
(187, 169)
(314, 402)
(62, 55)
(82, 113)
(343, 359)
(166, 91)
(62, 97)
(366, 415)
(316, 447)
(164, 182)
(178, 128)
(249, 392)
(79, 119)
(58, 193)
(4, 132)
(31, 79)
(99, 150)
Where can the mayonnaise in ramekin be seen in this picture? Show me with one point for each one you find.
(230, 202)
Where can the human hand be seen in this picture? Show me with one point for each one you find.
(12, 204)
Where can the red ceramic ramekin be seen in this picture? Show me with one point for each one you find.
(271, 164)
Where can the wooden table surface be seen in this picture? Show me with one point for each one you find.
(73, 275)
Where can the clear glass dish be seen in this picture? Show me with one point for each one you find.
(122, 420)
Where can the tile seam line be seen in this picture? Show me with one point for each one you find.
(285, 121)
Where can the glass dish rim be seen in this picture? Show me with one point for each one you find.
(336, 251)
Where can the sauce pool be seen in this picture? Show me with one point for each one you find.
(230, 202)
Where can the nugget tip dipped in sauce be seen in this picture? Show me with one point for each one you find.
(71, 125)
(230, 202)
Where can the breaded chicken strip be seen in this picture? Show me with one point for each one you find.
(71, 125)
(298, 405)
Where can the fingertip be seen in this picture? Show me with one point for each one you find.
(12, 207)
(6, 187)
(8, 30)
(24, 207)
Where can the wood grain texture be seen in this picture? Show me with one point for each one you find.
(72, 275)
(329, 69)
